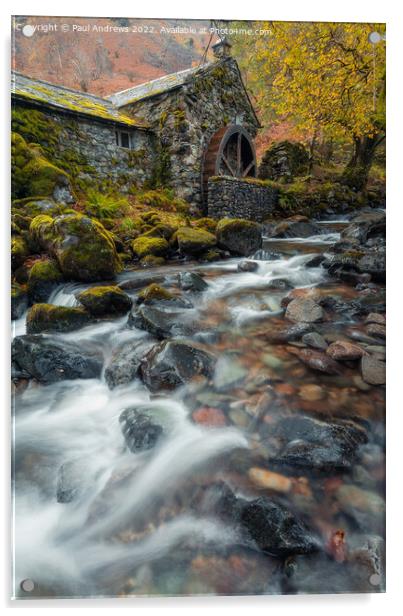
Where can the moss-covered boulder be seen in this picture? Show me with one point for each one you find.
(33, 175)
(144, 246)
(192, 241)
(33, 207)
(154, 293)
(19, 252)
(83, 248)
(43, 277)
(284, 161)
(105, 301)
(50, 318)
(161, 230)
(19, 301)
(152, 261)
(241, 237)
(208, 224)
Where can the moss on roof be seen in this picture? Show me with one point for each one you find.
(60, 97)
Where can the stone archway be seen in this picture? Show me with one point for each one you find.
(230, 152)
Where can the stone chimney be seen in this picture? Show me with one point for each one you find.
(222, 49)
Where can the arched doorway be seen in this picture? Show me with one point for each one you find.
(230, 152)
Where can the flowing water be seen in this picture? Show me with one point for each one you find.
(132, 527)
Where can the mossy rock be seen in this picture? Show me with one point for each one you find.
(50, 318)
(144, 246)
(283, 161)
(211, 255)
(208, 224)
(240, 237)
(83, 248)
(33, 207)
(33, 175)
(105, 301)
(154, 293)
(161, 230)
(43, 277)
(19, 300)
(152, 261)
(21, 222)
(194, 241)
(19, 252)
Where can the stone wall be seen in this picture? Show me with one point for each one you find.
(185, 119)
(90, 146)
(235, 198)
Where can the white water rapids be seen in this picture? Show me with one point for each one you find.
(75, 548)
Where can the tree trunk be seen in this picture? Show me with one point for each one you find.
(357, 170)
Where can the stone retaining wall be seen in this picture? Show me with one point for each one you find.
(228, 196)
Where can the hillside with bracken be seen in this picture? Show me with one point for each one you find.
(111, 57)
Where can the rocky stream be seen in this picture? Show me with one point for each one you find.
(224, 434)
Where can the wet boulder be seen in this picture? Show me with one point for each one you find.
(276, 530)
(172, 363)
(374, 264)
(19, 301)
(140, 431)
(190, 281)
(281, 335)
(279, 284)
(159, 321)
(297, 226)
(319, 361)
(84, 249)
(49, 361)
(304, 310)
(247, 266)
(105, 301)
(240, 237)
(123, 366)
(44, 276)
(49, 318)
(313, 444)
(367, 225)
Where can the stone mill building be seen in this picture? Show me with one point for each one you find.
(179, 130)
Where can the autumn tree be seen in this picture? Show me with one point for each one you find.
(328, 78)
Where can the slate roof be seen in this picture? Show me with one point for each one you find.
(108, 108)
(59, 97)
(156, 86)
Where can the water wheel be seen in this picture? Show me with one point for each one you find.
(230, 152)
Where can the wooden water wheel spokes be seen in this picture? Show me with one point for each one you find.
(230, 152)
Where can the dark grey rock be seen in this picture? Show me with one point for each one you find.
(318, 445)
(247, 266)
(139, 429)
(276, 530)
(190, 281)
(172, 363)
(125, 361)
(315, 341)
(288, 334)
(160, 322)
(49, 360)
